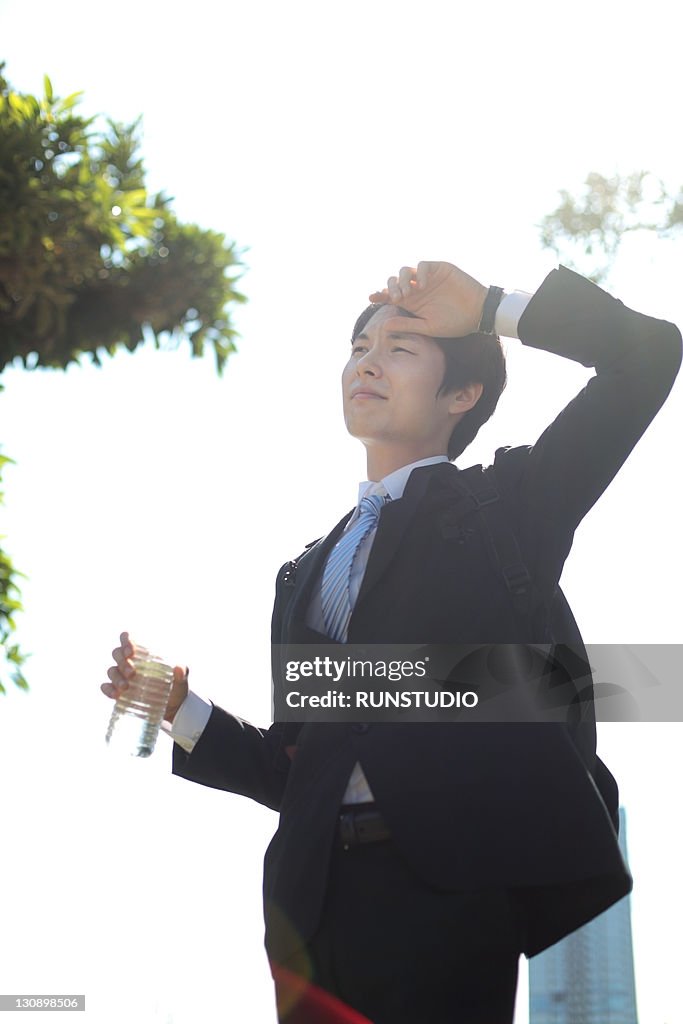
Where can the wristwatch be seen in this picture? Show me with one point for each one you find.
(487, 324)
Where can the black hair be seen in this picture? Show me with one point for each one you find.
(475, 359)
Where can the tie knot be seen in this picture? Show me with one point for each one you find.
(372, 504)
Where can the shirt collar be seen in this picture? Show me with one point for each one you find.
(394, 484)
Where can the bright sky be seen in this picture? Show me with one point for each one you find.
(337, 147)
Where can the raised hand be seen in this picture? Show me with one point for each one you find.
(448, 301)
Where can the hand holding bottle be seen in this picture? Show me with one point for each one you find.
(146, 691)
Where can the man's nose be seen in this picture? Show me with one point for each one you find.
(369, 365)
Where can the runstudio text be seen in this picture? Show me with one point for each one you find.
(383, 699)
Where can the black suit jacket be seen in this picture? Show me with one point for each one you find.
(526, 805)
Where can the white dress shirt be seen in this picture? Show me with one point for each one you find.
(193, 714)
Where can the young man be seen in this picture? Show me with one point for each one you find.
(414, 862)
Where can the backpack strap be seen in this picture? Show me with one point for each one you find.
(290, 569)
(483, 496)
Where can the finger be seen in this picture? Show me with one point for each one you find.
(422, 273)
(406, 277)
(125, 642)
(123, 662)
(394, 290)
(381, 297)
(118, 678)
(109, 690)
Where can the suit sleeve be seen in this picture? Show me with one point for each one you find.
(636, 359)
(236, 756)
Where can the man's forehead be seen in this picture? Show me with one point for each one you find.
(375, 324)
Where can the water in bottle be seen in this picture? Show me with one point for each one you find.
(140, 708)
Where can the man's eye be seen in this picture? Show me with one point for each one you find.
(357, 348)
(397, 348)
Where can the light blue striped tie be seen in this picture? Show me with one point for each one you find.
(334, 594)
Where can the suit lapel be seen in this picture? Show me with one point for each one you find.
(395, 519)
(308, 568)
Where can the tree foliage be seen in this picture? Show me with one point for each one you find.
(10, 603)
(587, 230)
(90, 261)
(87, 256)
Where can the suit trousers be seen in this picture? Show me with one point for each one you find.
(400, 951)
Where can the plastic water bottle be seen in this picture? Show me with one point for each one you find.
(140, 708)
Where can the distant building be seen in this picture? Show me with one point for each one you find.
(588, 978)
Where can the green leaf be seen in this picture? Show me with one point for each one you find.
(71, 100)
(134, 197)
(20, 679)
(19, 105)
(143, 212)
(47, 85)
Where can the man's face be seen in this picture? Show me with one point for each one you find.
(390, 384)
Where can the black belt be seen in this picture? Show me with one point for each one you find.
(361, 825)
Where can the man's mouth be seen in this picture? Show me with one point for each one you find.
(364, 393)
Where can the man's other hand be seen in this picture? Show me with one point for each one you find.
(123, 670)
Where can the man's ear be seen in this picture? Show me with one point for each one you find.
(465, 398)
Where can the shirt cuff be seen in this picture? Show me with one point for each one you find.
(189, 722)
(509, 313)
